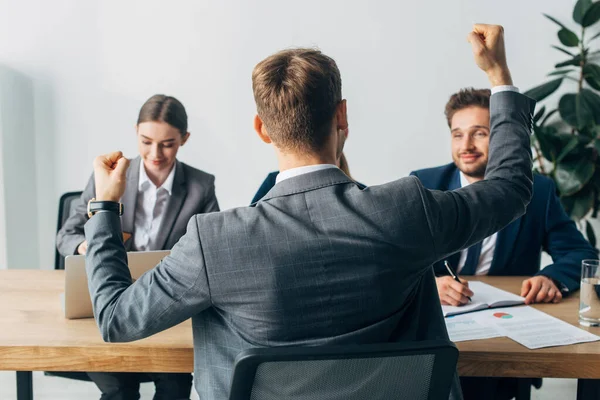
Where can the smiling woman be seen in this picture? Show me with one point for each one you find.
(161, 195)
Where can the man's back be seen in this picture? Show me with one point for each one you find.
(317, 261)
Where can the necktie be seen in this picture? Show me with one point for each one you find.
(472, 260)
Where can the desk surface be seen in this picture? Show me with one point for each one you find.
(36, 336)
(504, 357)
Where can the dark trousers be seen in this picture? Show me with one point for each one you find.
(126, 385)
(493, 388)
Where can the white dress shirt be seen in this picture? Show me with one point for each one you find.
(290, 173)
(150, 208)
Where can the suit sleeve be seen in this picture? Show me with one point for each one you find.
(459, 218)
(565, 244)
(71, 234)
(211, 204)
(165, 296)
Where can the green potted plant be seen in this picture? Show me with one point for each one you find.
(567, 135)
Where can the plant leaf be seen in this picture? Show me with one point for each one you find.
(590, 105)
(578, 205)
(571, 144)
(548, 116)
(560, 72)
(542, 135)
(563, 50)
(567, 109)
(576, 61)
(591, 74)
(555, 21)
(580, 110)
(592, 15)
(572, 176)
(539, 114)
(589, 232)
(580, 8)
(568, 38)
(539, 93)
(594, 37)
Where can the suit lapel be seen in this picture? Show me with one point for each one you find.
(454, 182)
(129, 199)
(505, 242)
(176, 200)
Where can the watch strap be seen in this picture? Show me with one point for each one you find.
(95, 206)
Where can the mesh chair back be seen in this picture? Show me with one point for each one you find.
(66, 207)
(416, 371)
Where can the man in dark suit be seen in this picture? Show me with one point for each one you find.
(516, 249)
(317, 261)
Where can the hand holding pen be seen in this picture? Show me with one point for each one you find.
(452, 291)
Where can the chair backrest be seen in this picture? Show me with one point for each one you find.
(416, 371)
(66, 207)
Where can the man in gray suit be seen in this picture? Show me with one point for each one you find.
(317, 261)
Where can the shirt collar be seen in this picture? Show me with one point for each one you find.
(290, 173)
(145, 180)
(463, 180)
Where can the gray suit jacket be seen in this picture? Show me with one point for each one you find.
(193, 193)
(317, 261)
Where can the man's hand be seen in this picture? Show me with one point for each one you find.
(453, 293)
(82, 248)
(110, 176)
(540, 289)
(488, 48)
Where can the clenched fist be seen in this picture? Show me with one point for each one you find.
(488, 48)
(110, 176)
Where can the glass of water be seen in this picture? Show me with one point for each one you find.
(589, 300)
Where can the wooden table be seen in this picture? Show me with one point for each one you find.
(34, 336)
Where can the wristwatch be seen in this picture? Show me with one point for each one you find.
(95, 206)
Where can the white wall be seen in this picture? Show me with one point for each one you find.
(18, 171)
(93, 63)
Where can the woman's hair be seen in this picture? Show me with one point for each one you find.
(344, 165)
(161, 108)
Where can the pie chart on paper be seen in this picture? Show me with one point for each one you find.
(502, 315)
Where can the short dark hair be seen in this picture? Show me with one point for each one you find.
(467, 97)
(161, 108)
(296, 93)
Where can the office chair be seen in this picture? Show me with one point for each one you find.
(66, 206)
(386, 371)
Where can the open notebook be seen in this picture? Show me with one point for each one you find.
(486, 296)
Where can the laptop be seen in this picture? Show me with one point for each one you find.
(77, 301)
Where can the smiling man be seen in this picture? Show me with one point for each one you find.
(516, 249)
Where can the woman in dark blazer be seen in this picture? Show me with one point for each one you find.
(161, 196)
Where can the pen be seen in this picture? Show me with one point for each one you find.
(453, 274)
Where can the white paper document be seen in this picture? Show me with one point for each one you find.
(486, 296)
(468, 327)
(532, 328)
